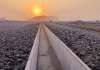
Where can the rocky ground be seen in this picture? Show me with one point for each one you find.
(86, 44)
(15, 47)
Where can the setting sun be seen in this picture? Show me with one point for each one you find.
(37, 11)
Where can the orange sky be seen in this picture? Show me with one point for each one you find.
(63, 9)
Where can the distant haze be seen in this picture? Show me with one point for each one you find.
(62, 9)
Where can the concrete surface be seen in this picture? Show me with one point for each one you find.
(67, 58)
(46, 57)
(50, 53)
(32, 61)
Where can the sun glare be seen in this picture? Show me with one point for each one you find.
(37, 11)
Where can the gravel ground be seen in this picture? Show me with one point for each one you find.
(15, 47)
(86, 44)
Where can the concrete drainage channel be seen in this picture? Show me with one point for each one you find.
(50, 53)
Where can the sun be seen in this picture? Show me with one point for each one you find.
(37, 11)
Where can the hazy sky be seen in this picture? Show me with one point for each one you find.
(63, 9)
